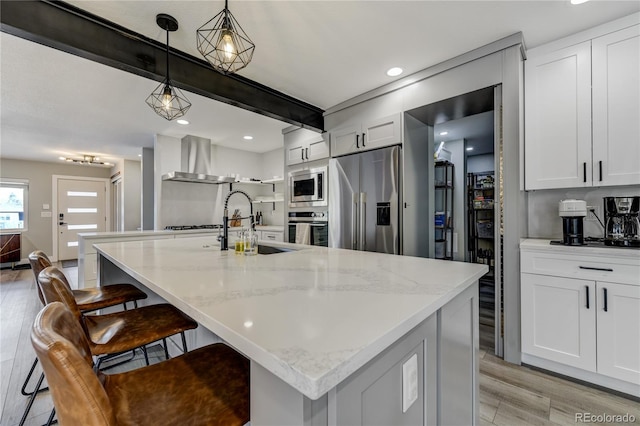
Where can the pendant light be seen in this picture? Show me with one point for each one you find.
(224, 44)
(166, 100)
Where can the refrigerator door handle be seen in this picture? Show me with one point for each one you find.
(354, 223)
(363, 222)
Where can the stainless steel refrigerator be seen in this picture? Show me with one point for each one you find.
(364, 201)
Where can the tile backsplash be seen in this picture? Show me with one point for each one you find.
(544, 221)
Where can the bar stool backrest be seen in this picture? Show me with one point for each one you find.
(39, 260)
(55, 288)
(64, 353)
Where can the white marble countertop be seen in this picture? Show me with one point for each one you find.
(312, 316)
(539, 244)
(119, 234)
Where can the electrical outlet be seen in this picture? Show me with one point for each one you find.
(590, 213)
(409, 382)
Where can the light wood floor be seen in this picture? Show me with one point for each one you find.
(510, 395)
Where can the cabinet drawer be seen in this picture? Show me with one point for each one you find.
(590, 267)
(272, 236)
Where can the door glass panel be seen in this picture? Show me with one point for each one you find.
(81, 194)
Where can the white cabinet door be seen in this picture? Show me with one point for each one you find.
(346, 140)
(318, 149)
(558, 118)
(295, 154)
(619, 331)
(382, 132)
(371, 134)
(557, 322)
(308, 151)
(616, 108)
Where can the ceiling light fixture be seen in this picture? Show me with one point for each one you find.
(166, 100)
(248, 138)
(393, 72)
(182, 121)
(578, 1)
(86, 159)
(444, 133)
(224, 44)
(469, 148)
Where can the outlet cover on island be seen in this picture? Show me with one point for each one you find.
(409, 382)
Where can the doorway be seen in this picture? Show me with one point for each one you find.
(81, 205)
(463, 132)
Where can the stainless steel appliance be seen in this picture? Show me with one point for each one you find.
(308, 188)
(317, 224)
(364, 191)
(572, 213)
(622, 227)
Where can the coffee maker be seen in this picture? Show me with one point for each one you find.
(572, 213)
(622, 224)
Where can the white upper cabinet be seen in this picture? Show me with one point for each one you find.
(616, 108)
(300, 150)
(558, 118)
(582, 104)
(367, 135)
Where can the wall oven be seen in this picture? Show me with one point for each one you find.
(308, 188)
(310, 228)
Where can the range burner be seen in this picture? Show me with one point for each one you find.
(188, 227)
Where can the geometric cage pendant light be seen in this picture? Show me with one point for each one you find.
(166, 100)
(224, 44)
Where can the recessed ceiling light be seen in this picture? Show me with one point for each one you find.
(183, 122)
(139, 155)
(469, 148)
(578, 1)
(248, 138)
(392, 72)
(444, 133)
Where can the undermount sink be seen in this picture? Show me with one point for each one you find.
(264, 249)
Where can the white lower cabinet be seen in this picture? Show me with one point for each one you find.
(271, 236)
(557, 322)
(582, 320)
(619, 331)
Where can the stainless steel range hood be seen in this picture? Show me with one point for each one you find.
(196, 163)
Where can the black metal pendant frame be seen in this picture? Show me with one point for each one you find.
(166, 100)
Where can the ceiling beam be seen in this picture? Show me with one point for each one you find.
(72, 30)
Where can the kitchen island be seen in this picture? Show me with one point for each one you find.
(334, 336)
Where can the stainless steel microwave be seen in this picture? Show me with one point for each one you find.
(308, 188)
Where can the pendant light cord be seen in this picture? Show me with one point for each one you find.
(167, 30)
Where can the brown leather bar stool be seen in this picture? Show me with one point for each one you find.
(87, 300)
(208, 386)
(116, 332)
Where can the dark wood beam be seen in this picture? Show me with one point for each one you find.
(67, 28)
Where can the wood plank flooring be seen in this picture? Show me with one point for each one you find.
(510, 395)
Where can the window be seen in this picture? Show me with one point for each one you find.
(13, 204)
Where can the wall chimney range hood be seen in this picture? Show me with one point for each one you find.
(195, 161)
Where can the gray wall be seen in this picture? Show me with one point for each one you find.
(147, 189)
(40, 176)
(544, 221)
(480, 163)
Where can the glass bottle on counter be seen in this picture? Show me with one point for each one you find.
(239, 246)
(250, 240)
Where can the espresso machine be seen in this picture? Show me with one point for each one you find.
(572, 213)
(622, 223)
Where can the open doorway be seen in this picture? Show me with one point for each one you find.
(461, 136)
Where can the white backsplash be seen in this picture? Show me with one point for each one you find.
(544, 221)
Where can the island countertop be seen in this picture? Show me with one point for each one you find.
(311, 316)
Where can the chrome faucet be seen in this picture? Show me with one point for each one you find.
(224, 240)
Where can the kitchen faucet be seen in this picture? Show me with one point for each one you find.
(224, 239)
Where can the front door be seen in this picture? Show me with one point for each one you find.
(81, 208)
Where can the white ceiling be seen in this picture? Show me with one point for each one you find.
(322, 52)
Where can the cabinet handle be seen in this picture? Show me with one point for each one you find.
(592, 268)
(605, 300)
(584, 172)
(306, 153)
(600, 168)
(302, 154)
(357, 141)
(587, 288)
(363, 140)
